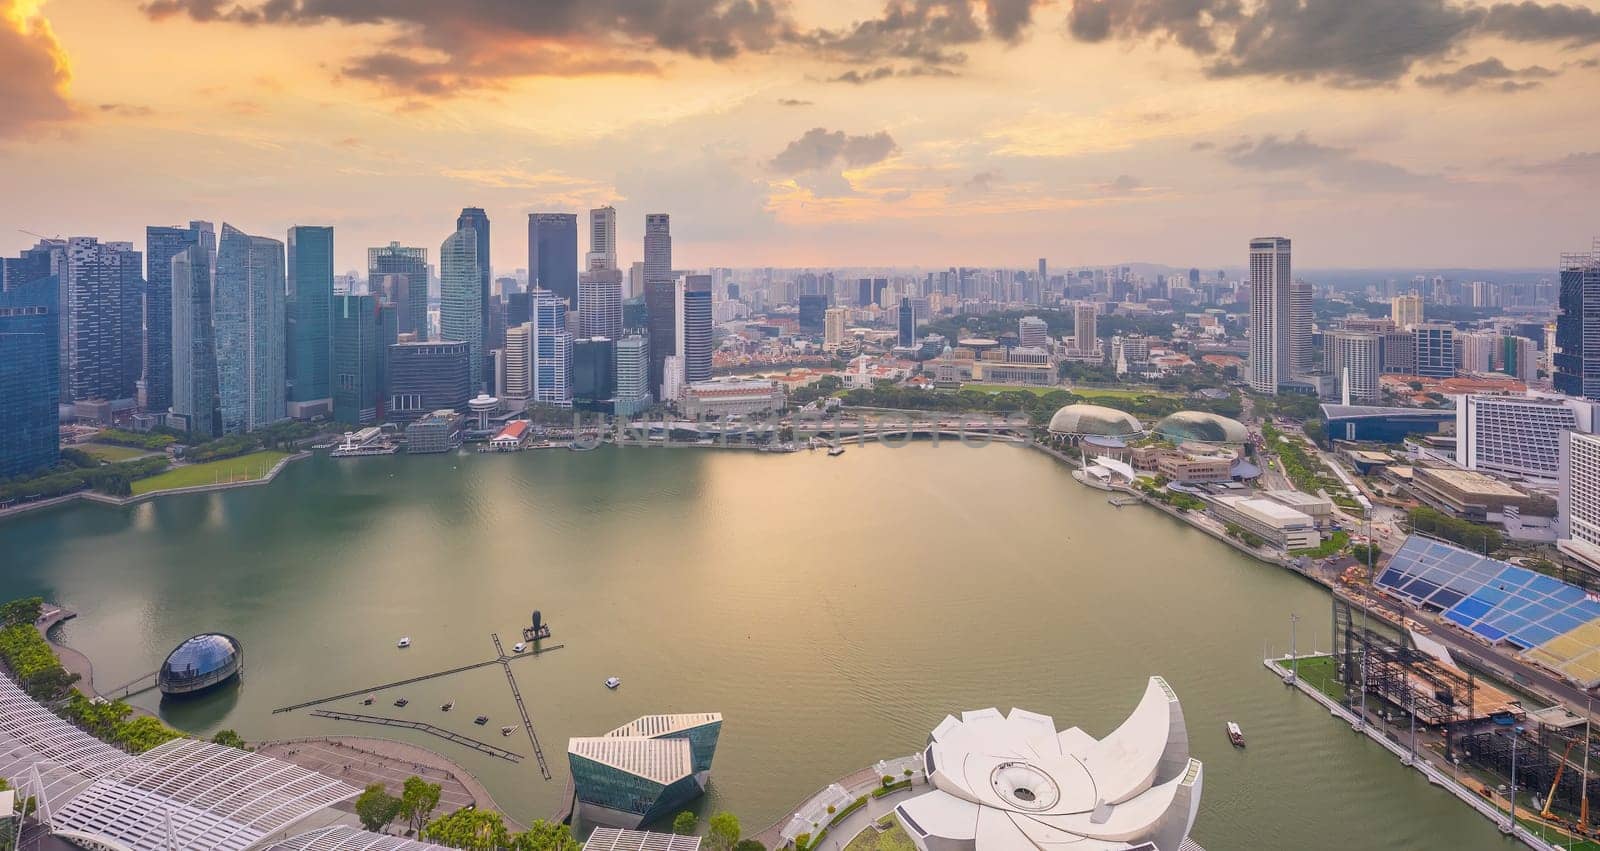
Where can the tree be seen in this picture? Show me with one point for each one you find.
(749, 845)
(723, 832)
(376, 807)
(685, 823)
(143, 733)
(545, 836)
(468, 828)
(24, 611)
(231, 739)
(418, 798)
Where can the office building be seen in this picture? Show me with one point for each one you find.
(360, 347)
(660, 295)
(1271, 314)
(1279, 525)
(834, 320)
(1517, 435)
(551, 344)
(1302, 352)
(30, 376)
(1085, 315)
(516, 386)
(594, 374)
(1353, 360)
(633, 376)
(696, 341)
(1519, 358)
(309, 309)
(553, 255)
(812, 313)
(644, 770)
(1578, 516)
(45, 260)
(399, 274)
(600, 303)
(602, 239)
(104, 314)
(1006, 782)
(1399, 353)
(476, 219)
(1577, 355)
(907, 324)
(462, 316)
(194, 344)
(249, 311)
(161, 244)
(1436, 349)
(436, 432)
(426, 377)
(1033, 331)
(1406, 311)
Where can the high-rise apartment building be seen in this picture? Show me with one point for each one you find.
(1033, 331)
(1084, 318)
(361, 347)
(463, 318)
(1302, 351)
(553, 255)
(1519, 358)
(696, 339)
(161, 244)
(309, 309)
(1271, 314)
(600, 304)
(633, 376)
(1354, 359)
(194, 344)
(552, 350)
(29, 375)
(249, 310)
(1399, 353)
(1406, 310)
(659, 295)
(399, 274)
(833, 322)
(1477, 351)
(602, 239)
(1577, 355)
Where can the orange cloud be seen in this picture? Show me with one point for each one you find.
(34, 70)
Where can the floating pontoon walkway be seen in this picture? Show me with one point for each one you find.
(468, 741)
(501, 659)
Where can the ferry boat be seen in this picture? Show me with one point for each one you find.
(1235, 735)
(481, 720)
(401, 702)
(403, 643)
(613, 682)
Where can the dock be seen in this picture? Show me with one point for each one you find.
(522, 709)
(502, 658)
(448, 735)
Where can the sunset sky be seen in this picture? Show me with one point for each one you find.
(821, 132)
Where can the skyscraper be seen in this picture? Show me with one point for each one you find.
(1033, 331)
(553, 254)
(1271, 314)
(907, 324)
(249, 310)
(29, 375)
(1353, 358)
(659, 295)
(462, 314)
(517, 367)
(399, 274)
(1577, 355)
(594, 373)
(1084, 318)
(104, 314)
(360, 347)
(812, 312)
(1436, 349)
(1405, 310)
(696, 341)
(310, 306)
(427, 377)
(1302, 353)
(552, 350)
(833, 321)
(602, 239)
(194, 343)
(600, 304)
(161, 244)
(633, 376)
(478, 220)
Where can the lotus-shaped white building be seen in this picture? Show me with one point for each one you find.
(1011, 783)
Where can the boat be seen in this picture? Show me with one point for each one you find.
(613, 682)
(403, 643)
(367, 701)
(1235, 735)
(518, 647)
(506, 730)
(448, 705)
(835, 451)
(401, 702)
(481, 720)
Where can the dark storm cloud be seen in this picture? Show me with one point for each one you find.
(1530, 21)
(821, 149)
(1333, 166)
(1490, 73)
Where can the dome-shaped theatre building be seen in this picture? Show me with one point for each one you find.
(1084, 420)
(1201, 427)
(201, 663)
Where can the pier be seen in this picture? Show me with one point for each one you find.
(501, 659)
(468, 741)
(522, 709)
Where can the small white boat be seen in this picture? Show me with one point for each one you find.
(518, 647)
(836, 451)
(613, 682)
(1235, 735)
(506, 730)
(403, 643)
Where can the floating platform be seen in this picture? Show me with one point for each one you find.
(447, 735)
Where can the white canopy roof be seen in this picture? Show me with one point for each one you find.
(346, 838)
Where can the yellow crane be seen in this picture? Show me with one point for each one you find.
(1551, 798)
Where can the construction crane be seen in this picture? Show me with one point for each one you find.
(38, 235)
(1551, 798)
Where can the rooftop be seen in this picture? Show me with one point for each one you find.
(613, 839)
(1468, 481)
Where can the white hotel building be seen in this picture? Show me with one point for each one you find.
(1578, 521)
(1518, 436)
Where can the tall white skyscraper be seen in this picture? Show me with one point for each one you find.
(1578, 517)
(1406, 310)
(600, 303)
(833, 323)
(633, 376)
(552, 349)
(1353, 358)
(1084, 316)
(1271, 314)
(1033, 331)
(1302, 354)
(518, 360)
(602, 239)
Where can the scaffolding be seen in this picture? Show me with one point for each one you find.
(1539, 753)
(1398, 673)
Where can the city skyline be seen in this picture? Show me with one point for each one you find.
(822, 132)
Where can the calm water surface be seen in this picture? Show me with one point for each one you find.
(833, 609)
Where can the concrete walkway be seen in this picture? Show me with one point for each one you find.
(845, 831)
(72, 660)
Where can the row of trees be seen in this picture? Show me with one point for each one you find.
(1473, 536)
(418, 798)
(78, 471)
(722, 832)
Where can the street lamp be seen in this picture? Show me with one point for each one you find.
(1511, 823)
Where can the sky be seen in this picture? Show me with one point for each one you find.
(820, 132)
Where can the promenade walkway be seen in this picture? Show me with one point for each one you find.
(72, 660)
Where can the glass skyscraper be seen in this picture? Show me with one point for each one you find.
(553, 254)
(104, 313)
(29, 375)
(358, 358)
(478, 220)
(696, 347)
(194, 345)
(399, 274)
(161, 244)
(633, 376)
(594, 373)
(552, 350)
(310, 306)
(659, 297)
(463, 316)
(1577, 355)
(249, 310)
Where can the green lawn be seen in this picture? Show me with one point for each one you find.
(1112, 393)
(252, 466)
(1321, 673)
(893, 839)
(1008, 388)
(108, 452)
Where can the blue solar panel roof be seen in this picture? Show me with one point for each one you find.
(1494, 599)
